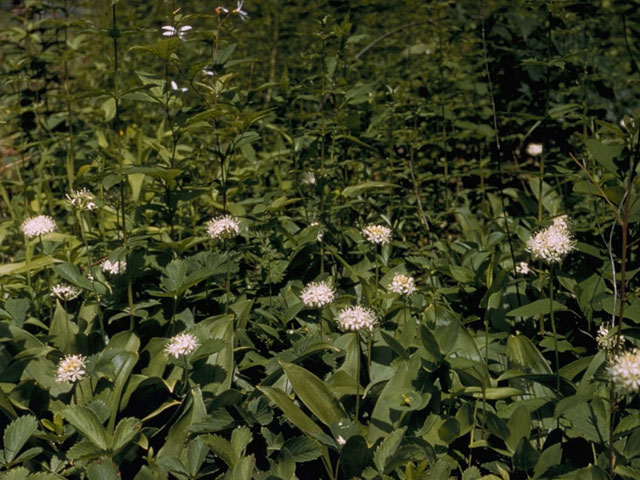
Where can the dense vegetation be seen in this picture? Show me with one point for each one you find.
(320, 239)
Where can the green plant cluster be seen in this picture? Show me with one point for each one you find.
(178, 179)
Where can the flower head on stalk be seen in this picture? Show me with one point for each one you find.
(377, 234)
(114, 268)
(534, 149)
(606, 340)
(317, 294)
(223, 227)
(181, 344)
(624, 371)
(71, 368)
(553, 243)
(238, 10)
(357, 318)
(82, 199)
(65, 292)
(402, 285)
(39, 225)
(169, 31)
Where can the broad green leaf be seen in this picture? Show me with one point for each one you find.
(604, 153)
(104, 469)
(16, 435)
(313, 393)
(85, 421)
(360, 188)
(519, 427)
(387, 449)
(632, 447)
(240, 438)
(194, 411)
(293, 413)
(536, 308)
(221, 447)
(303, 449)
(63, 330)
(243, 469)
(525, 456)
(126, 430)
(354, 456)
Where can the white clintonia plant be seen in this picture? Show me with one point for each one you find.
(181, 344)
(624, 370)
(317, 294)
(377, 234)
(114, 268)
(357, 318)
(553, 243)
(65, 292)
(223, 227)
(402, 284)
(82, 199)
(71, 368)
(36, 226)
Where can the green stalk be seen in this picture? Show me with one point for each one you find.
(553, 328)
(358, 376)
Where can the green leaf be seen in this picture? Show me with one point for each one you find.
(371, 185)
(536, 308)
(293, 413)
(126, 430)
(519, 427)
(313, 393)
(632, 447)
(354, 456)
(303, 449)
(63, 330)
(388, 448)
(221, 447)
(16, 435)
(86, 422)
(104, 469)
(525, 456)
(604, 153)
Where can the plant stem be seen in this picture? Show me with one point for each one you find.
(358, 376)
(553, 329)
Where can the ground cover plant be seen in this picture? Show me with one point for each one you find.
(323, 239)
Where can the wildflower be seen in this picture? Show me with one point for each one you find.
(182, 344)
(402, 285)
(170, 31)
(223, 227)
(174, 87)
(341, 441)
(523, 268)
(220, 10)
(377, 234)
(238, 10)
(65, 292)
(82, 199)
(208, 73)
(605, 340)
(320, 235)
(534, 149)
(114, 268)
(624, 370)
(36, 226)
(309, 178)
(317, 294)
(552, 243)
(357, 318)
(71, 368)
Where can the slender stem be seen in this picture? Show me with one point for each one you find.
(358, 376)
(228, 281)
(553, 329)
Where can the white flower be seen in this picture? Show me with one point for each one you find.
(523, 268)
(357, 318)
(377, 234)
(624, 370)
(71, 368)
(182, 344)
(82, 199)
(223, 227)
(170, 31)
(221, 9)
(176, 88)
(317, 294)
(402, 285)
(605, 340)
(238, 10)
(309, 178)
(36, 226)
(534, 149)
(552, 243)
(341, 441)
(65, 292)
(208, 73)
(114, 268)
(320, 235)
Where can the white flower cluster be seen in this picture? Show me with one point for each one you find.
(377, 234)
(182, 344)
(36, 226)
(357, 318)
(317, 294)
(114, 268)
(223, 227)
(523, 268)
(552, 243)
(65, 292)
(402, 284)
(534, 149)
(606, 341)
(71, 368)
(625, 371)
(82, 199)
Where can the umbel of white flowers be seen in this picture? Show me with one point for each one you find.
(71, 368)
(553, 243)
(377, 234)
(39, 225)
(317, 294)
(181, 344)
(223, 227)
(624, 371)
(357, 318)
